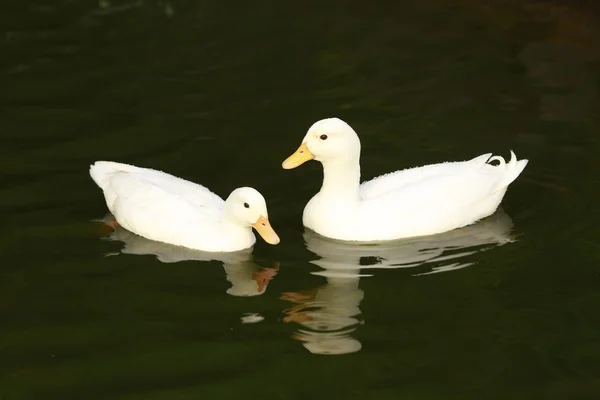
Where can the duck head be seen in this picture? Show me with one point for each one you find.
(327, 140)
(247, 207)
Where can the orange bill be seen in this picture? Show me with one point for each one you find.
(301, 156)
(264, 229)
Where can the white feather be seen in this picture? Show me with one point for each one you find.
(412, 202)
(165, 208)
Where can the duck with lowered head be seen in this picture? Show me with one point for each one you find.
(165, 208)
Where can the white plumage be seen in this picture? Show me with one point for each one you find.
(162, 207)
(413, 202)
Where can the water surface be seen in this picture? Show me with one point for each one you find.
(220, 94)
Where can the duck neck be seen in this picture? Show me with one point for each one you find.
(341, 178)
(232, 225)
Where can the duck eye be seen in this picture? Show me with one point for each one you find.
(246, 205)
(323, 137)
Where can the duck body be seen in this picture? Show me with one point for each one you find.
(414, 202)
(407, 203)
(165, 208)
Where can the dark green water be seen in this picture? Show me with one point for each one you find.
(220, 94)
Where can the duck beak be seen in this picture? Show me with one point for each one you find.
(264, 229)
(301, 156)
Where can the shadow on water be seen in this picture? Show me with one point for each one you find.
(245, 276)
(328, 314)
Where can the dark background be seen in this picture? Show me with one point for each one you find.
(220, 93)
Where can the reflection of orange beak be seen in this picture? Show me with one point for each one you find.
(263, 277)
(264, 229)
(301, 156)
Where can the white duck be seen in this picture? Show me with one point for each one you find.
(162, 207)
(413, 202)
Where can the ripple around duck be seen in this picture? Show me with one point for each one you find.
(328, 315)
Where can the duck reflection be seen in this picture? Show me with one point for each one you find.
(328, 315)
(246, 278)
